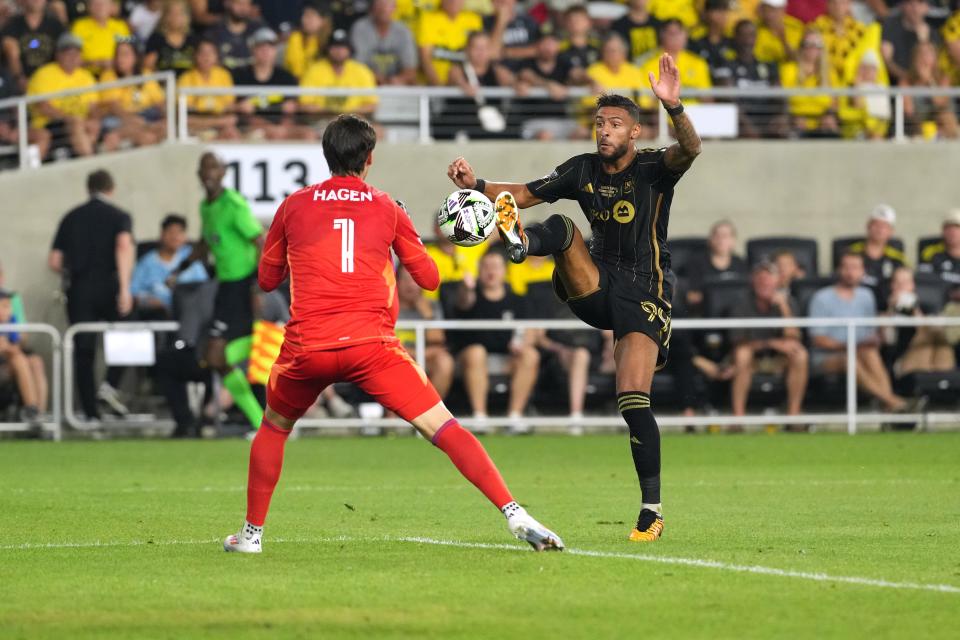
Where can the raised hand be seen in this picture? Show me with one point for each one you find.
(667, 87)
(461, 173)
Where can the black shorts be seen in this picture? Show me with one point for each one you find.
(233, 310)
(621, 305)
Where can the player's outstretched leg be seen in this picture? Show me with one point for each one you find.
(636, 357)
(471, 459)
(266, 461)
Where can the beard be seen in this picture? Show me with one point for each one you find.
(613, 156)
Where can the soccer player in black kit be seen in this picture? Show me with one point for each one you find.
(623, 280)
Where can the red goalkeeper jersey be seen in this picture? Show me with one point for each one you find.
(335, 240)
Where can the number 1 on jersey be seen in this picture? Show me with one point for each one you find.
(345, 225)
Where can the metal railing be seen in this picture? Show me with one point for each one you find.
(22, 104)
(425, 97)
(63, 349)
(851, 418)
(69, 373)
(425, 100)
(53, 426)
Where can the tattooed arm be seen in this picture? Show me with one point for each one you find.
(681, 155)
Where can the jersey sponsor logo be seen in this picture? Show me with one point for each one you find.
(628, 187)
(607, 190)
(342, 195)
(623, 212)
(602, 216)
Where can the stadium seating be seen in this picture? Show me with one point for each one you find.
(803, 249)
(931, 291)
(684, 248)
(803, 290)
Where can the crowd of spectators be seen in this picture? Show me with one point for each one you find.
(52, 45)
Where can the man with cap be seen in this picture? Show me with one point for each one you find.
(943, 258)
(67, 120)
(385, 45)
(778, 34)
(880, 258)
(265, 116)
(234, 33)
(770, 350)
(338, 70)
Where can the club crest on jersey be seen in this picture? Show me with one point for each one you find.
(342, 195)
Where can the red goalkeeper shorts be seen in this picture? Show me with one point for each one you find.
(382, 369)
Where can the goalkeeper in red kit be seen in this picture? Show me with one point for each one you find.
(334, 240)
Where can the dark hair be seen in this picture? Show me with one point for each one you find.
(666, 24)
(347, 142)
(172, 219)
(849, 254)
(210, 42)
(741, 24)
(495, 250)
(99, 182)
(473, 35)
(577, 8)
(620, 102)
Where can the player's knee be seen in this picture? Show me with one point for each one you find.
(563, 227)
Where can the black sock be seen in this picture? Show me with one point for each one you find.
(644, 442)
(553, 235)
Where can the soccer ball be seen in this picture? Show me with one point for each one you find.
(466, 217)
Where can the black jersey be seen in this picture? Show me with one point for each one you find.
(628, 214)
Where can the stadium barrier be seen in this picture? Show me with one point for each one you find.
(851, 419)
(22, 103)
(419, 106)
(53, 425)
(69, 372)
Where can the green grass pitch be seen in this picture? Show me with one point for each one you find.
(871, 508)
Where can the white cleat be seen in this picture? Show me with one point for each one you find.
(246, 541)
(524, 527)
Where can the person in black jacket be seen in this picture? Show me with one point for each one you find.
(93, 251)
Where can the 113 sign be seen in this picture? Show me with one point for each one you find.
(266, 174)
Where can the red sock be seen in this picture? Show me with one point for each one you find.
(266, 460)
(469, 456)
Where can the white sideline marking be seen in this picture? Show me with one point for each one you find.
(706, 564)
(688, 562)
